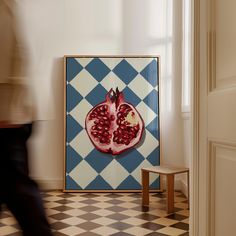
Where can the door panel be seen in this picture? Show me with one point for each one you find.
(216, 123)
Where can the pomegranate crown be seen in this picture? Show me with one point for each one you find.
(115, 96)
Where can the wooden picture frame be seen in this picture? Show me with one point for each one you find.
(88, 79)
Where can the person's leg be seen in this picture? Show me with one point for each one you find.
(21, 194)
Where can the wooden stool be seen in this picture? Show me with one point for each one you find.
(170, 172)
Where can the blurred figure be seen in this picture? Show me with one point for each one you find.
(17, 190)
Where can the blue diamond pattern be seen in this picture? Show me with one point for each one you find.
(125, 71)
(129, 181)
(153, 158)
(72, 98)
(131, 97)
(71, 184)
(153, 128)
(72, 160)
(97, 95)
(152, 100)
(150, 73)
(72, 68)
(72, 128)
(132, 161)
(155, 184)
(99, 183)
(97, 69)
(129, 160)
(98, 160)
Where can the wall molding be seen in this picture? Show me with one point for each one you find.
(49, 184)
(194, 168)
(211, 167)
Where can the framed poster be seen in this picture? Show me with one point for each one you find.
(111, 122)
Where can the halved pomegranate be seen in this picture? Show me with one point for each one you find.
(114, 125)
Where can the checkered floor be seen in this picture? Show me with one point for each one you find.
(117, 214)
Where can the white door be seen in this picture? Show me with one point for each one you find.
(214, 161)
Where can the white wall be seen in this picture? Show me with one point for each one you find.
(104, 27)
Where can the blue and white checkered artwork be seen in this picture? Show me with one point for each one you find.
(88, 80)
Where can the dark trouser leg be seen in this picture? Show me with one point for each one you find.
(18, 191)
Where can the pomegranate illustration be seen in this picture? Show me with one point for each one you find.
(114, 125)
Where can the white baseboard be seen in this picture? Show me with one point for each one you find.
(49, 184)
(184, 188)
(180, 185)
(57, 184)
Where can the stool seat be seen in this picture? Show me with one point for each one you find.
(166, 170)
(170, 172)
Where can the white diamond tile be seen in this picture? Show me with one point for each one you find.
(139, 63)
(114, 173)
(105, 230)
(149, 144)
(84, 61)
(103, 221)
(137, 172)
(73, 221)
(137, 231)
(171, 231)
(84, 83)
(72, 231)
(83, 174)
(80, 111)
(140, 86)
(8, 221)
(146, 113)
(7, 230)
(112, 81)
(82, 144)
(111, 63)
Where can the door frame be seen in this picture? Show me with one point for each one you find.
(195, 100)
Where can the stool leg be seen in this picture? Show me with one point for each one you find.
(170, 194)
(145, 189)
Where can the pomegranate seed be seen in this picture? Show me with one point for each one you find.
(132, 129)
(101, 122)
(122, 127)
(119, 114)
(115, 138)
(106, 128)
(127, 142)
(105, 133)
(107, 123)
(103, 140)
(99, 127)
(112, 117)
